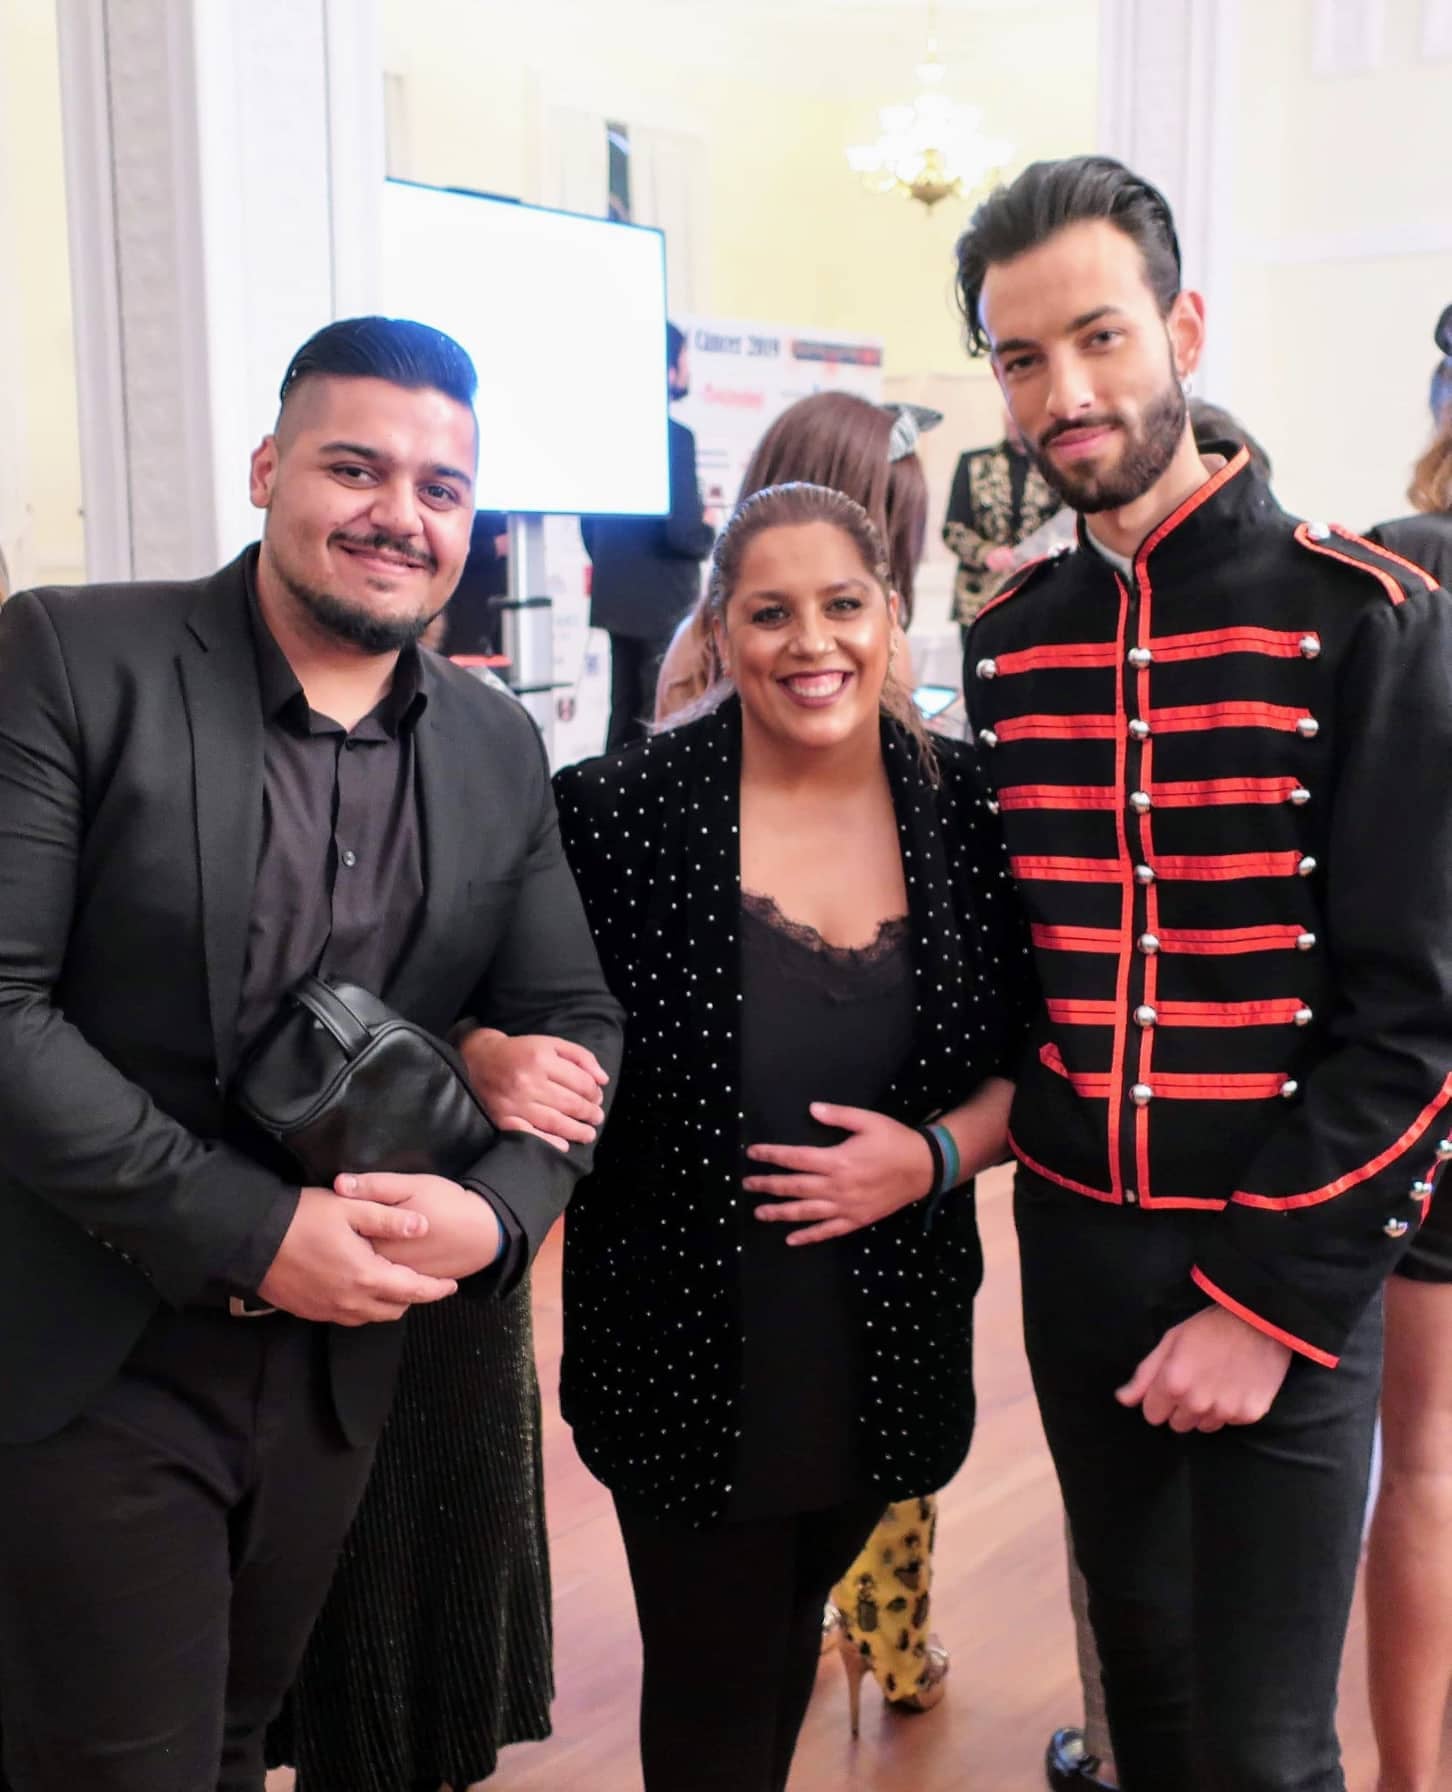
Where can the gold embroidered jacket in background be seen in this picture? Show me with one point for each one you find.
(1226, 785)
(982, 514)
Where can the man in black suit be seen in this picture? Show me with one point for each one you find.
(207, 791)
(647, 571)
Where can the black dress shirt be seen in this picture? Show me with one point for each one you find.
(339, 885)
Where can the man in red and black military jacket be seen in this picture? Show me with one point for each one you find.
(1219, 740)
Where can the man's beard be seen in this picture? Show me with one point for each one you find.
(1144, 460)
(351, 622)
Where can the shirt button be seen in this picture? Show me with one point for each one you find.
(349, 857)
(1130, 1196)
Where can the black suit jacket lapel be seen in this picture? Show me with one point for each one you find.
(218, 669)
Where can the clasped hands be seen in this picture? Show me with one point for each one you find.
(372, 1246)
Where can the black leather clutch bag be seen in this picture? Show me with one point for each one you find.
(343, 1083)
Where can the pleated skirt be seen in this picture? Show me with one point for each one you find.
(434, 1649)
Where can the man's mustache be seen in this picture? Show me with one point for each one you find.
(380, 543)
(1055, 430)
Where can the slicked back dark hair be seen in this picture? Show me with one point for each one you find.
(395, 349)
(1043, 200)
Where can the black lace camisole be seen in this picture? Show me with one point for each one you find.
(819, 1023)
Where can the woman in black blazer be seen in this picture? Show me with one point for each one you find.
(798, 901)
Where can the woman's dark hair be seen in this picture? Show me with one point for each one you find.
(841, 441)
(395, 349)
(1043, 200)
(1212, 425)
(1431, 487)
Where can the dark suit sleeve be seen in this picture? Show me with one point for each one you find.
(1328, 1203)
(687, 532)
(544, 977)
(77, 1132)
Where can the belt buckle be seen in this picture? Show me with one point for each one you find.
(241, 1307)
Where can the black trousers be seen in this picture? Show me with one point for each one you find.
(634, 665)
(1220, 1565)
(731, 1629)
(163, 1556)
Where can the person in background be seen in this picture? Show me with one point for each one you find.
(998, 497)
(1239, 883)
(471, 622)
(1409, 1559)
(646, 571)
(800, 1043)
(851, 445)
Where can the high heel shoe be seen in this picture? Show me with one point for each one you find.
(932, 1682)
(855, 1664)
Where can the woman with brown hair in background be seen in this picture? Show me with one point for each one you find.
(848, 444)
(1409, 1561)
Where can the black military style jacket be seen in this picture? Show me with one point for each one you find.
(1226, 784)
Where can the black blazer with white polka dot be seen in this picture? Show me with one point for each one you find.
(651, 1375)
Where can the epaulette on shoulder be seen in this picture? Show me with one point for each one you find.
(1398, 578)
(1030, 573)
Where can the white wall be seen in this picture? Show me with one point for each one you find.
(40, 478)
(1343, 256)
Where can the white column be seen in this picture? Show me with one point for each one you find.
(1166, 108)
(224, 162)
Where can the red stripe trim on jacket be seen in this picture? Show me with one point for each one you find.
(1071, 1013)
(1057, 796)
(1120, 1043)
(1055, 728)
(1015, 582)
(1201, 495)
(1289, 1339)
(1152, 905)
(1168, 1085)
(1095, 1084)
(1074, 1188)
(1398, 1148)
(1192, 718)
(1209, 644)
(1074, 939)
(1379, 547)
(1387, 582)
(1087, 654)
(1222, 1086)
(1277, 1013)
(1228, 942)
(1226, 867)
(1046, 869)
(1212, 793)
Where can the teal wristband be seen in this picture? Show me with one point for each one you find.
(952, 1163)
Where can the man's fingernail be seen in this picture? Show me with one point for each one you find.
(350, 1184)
(412, 1223)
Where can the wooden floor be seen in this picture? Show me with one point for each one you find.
(999, 1602)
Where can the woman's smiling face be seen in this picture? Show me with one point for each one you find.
(807, 635)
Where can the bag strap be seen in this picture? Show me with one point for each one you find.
(329, 1009)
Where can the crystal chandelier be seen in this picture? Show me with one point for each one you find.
(933, 148)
